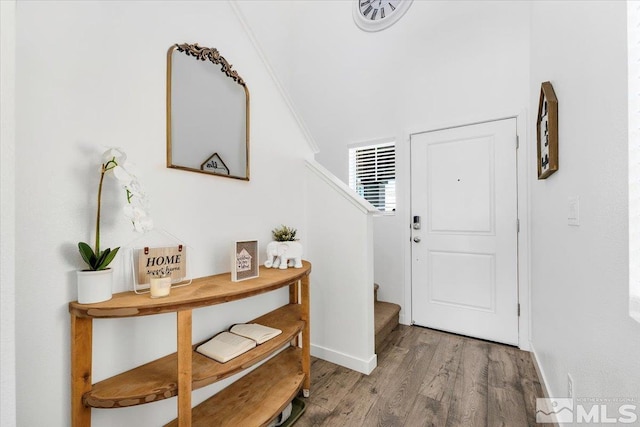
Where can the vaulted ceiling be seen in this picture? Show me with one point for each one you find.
(444, 63)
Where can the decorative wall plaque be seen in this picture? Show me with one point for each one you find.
(215, 164)
(547, 129)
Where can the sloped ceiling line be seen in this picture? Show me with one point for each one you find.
(285, 95)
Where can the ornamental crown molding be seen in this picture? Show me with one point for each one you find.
(211, 54)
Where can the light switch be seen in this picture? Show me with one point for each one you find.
(573, 215)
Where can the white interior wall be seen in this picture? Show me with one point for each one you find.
(633, 67)
(7, 215)
(580, 274)
(341, 292)
(443, 64)
(92, 74)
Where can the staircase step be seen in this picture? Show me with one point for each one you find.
(387, 318)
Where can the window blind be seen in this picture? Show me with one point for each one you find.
(372, 174)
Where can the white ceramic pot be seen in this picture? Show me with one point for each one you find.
(95, 286)
(280, 254)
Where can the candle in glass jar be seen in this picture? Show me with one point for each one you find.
(160, 286)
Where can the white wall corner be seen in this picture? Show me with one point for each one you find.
(404, 319)
(7, 214)
(313, 146)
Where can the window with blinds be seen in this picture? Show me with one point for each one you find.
(372, 174)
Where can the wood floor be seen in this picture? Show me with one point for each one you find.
(427, 378)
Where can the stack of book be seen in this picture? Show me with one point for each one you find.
(240, 339)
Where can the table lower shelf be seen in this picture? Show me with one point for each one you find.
(255, 399)
(158, 380)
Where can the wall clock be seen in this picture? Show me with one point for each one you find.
(547, 129)
(376, 15)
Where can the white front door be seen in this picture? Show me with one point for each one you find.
(464, 250)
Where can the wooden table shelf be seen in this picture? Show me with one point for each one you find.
(267, 389)
(202, 292)
(158, 380)
(253, 399)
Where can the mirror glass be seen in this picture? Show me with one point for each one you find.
(207, 113)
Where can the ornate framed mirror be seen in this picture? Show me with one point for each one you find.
(207, 113)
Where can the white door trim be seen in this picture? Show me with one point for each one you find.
(524, 252)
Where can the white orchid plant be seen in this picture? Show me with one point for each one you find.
(136, 209)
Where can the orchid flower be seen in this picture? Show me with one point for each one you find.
(113, 160)
(115, 155)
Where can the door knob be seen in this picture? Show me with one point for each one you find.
(416, 239)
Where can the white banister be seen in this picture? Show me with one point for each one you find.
(340, 187)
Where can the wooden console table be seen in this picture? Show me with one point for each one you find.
(255, 399)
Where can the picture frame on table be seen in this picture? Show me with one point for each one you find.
(245, 263)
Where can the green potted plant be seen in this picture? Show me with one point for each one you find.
(95, 282)
(284, 234)
(285, 250)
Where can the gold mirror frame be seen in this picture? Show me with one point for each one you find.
(205, 54)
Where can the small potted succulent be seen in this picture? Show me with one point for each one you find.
(284, 234)
(95, 281)
(285, 250)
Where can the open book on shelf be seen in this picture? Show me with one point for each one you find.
(240, 339)
(258, 333)
(226, 346)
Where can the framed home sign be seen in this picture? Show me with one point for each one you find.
(547, 129)
(244, 260)
(168, 261)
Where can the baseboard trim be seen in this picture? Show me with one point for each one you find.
(346, 360)
(541, 377)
